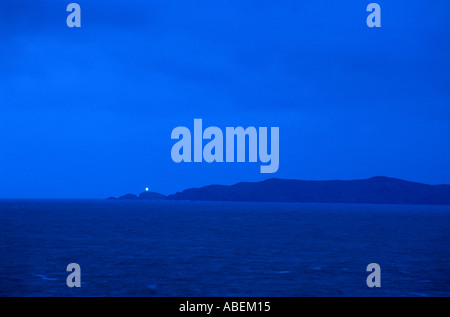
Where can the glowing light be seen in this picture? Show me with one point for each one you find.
(146, 189)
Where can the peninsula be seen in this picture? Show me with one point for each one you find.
(375, 190)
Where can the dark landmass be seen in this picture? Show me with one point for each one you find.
(129, 197)
(142, 196)
(151, 196)
(375, 190)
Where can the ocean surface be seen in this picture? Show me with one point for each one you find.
(174, 248)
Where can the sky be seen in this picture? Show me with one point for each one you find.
(88, 112)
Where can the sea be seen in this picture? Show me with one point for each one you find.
(182, 248)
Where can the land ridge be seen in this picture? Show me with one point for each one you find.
(374, 190)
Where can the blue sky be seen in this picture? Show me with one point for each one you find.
(88, 112)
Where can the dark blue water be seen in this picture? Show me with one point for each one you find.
(133, 248)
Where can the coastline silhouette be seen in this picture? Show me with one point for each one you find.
(374, 190)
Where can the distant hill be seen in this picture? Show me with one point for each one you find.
(375, 190)
(151, 196)
(129, 197)
(142, 196)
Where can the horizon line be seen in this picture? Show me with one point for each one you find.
(215, 184)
